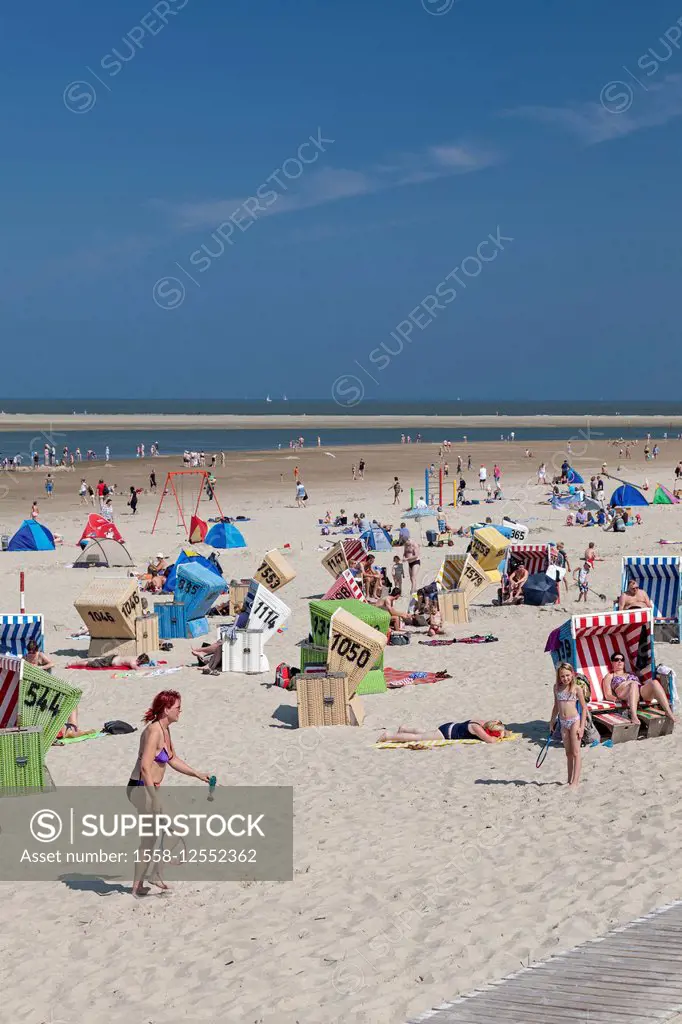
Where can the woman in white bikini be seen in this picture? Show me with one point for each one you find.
(567, 696)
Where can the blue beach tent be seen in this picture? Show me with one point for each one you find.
(225, 535)
(626, 494)
(31, 536)
(573, 476)
(376, 539)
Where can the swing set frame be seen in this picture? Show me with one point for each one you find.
(169, 489)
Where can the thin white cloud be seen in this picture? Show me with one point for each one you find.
(622, 108)
(322, 185)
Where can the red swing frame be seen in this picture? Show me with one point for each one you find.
(169, 487)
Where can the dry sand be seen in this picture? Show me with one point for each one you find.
(418, 875)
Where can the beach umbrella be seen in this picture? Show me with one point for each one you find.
(420, 513)
(539, 589)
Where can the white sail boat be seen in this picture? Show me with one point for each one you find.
(284, 398)
(268, 399)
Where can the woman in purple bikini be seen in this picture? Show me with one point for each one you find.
(155, 753)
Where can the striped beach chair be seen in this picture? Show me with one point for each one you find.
(10, 680)
(534, 557)
(659, 578)
(17, 630)
(588, 641)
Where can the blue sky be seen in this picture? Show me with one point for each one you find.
(136, 135)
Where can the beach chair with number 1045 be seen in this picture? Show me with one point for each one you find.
(659, 578)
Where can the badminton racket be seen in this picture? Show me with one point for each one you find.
(543, 753)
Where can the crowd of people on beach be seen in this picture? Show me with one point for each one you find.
(387, 586)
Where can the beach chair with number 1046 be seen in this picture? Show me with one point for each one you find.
(659, 578)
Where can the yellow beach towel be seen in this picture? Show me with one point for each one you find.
(428, 744)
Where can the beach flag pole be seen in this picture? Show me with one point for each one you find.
(22, 598)
(411, 497)
(426, 485)
(440, 487)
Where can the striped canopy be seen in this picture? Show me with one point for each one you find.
(17, 630)
(534, 557)
(659, 578)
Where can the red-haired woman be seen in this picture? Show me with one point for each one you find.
(156, 751)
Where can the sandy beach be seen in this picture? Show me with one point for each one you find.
(169, 421)
(417, 875)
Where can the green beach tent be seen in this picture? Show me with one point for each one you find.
(664, 497)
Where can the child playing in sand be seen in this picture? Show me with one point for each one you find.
(567, 697)
(582, 578)
(398, 571)
(435, 619)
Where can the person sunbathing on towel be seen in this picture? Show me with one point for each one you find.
(516, 582)
(114, 661)
(473, 729)
(619, 685)
(633, 597)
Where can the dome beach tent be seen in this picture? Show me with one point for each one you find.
(225, 535)
(664, 497)
(573, 476)
(31, 536)
(97, 527)
(104, 554)
(376, 539)
(627, 494)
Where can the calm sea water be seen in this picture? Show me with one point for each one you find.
(123, 443)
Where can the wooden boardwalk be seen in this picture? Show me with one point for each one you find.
(631, 976)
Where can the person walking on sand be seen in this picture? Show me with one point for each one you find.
(567, 696)
(49, 485)
(361, 469)
(354, 472)
(83, 492)
(35, 511)
(411, 556)
(301, 496)
(152, 481)
(561, 559)
(156, 752)
(397, 490)
(482, 477)
(133, 500)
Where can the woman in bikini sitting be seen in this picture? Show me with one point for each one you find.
(156, 751)
(567, 696)
(619, 685)
(472, 729)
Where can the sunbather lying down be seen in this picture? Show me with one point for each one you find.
(486, 732)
